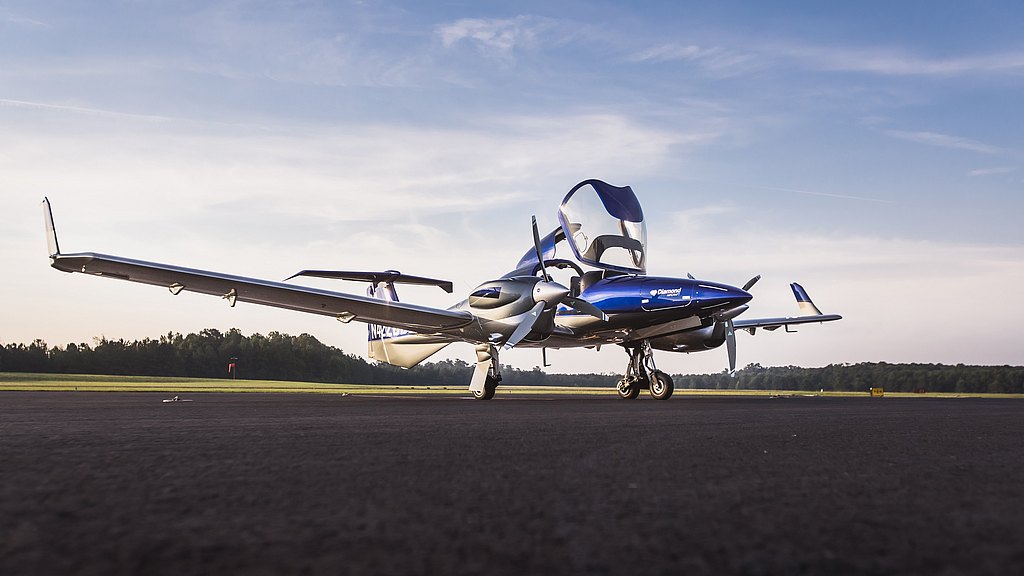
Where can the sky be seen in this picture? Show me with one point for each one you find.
(871, 151)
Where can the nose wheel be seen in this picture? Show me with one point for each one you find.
(642, 373)
(490, 387)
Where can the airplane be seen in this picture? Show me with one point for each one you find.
(610, 299)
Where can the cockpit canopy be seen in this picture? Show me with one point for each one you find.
(604, 226)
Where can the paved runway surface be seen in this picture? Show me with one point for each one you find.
(305, 484)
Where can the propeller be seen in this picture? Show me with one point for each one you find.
(730, 343)
(526, 326)
(730, 329)
(540, 253)
(548, 294)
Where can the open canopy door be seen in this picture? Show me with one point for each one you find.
(604, 226)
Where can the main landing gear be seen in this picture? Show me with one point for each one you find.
(642, 373)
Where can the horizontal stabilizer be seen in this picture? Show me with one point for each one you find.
(387, 276)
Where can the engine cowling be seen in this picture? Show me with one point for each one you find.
(696, 340)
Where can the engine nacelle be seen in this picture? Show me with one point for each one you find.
(695, 340)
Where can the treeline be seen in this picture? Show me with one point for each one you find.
(861, 377)
(275, 356)
(279, 356)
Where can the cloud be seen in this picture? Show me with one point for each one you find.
(338, 177)
(893, 62)
(695, 219)
(713, 59)
(992, 171)
(7, 17)
(5, 102)
(495, 36)
(944, 141)
(880, 61)
(829, 195)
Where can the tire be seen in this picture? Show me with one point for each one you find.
(628, 391)
(661, 386)
(490, 386)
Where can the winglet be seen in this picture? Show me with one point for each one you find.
(807, 307)
(51, 233)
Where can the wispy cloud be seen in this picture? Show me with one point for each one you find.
(8, 17)
(495, 36)
(895, 62)
(944, 141)
(5, 102)
(713, 58)
(992, 171)
(693, 219)
(880, 61)
(830, 195)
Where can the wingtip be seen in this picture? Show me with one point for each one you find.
(807, 307)
(51, 233)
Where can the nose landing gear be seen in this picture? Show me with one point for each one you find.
(642, 373)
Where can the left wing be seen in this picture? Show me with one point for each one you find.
(457, 324)
(808, 313)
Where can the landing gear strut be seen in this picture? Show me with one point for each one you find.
(642, 373)
(487, 374)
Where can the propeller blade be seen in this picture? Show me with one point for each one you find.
(585, 307)
(540, 253)
(750, 283)
(525, 327)
(730, 343)
(690, 276)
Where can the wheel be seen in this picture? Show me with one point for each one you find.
(661, 386)
(490, 386)
(628, 390)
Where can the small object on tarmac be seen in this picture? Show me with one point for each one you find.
(175, 399)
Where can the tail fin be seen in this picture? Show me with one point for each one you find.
(807, 307)
(396, 346)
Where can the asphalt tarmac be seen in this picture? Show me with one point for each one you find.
(105, 483)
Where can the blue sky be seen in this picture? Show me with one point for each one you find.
(869, 150)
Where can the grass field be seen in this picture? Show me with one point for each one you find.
(17, 381)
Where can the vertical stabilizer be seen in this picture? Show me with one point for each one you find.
(807, 307)
(396, 346)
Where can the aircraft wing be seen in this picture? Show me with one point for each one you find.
(809, 313)
(775, 323)
(345, 307)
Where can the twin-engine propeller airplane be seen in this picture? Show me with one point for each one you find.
(613, 302)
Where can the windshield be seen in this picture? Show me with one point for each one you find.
(605, 226)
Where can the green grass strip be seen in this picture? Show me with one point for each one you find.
(17, 381)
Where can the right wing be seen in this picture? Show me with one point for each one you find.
(459, 325)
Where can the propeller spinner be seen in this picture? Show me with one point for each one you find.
(548, 294)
